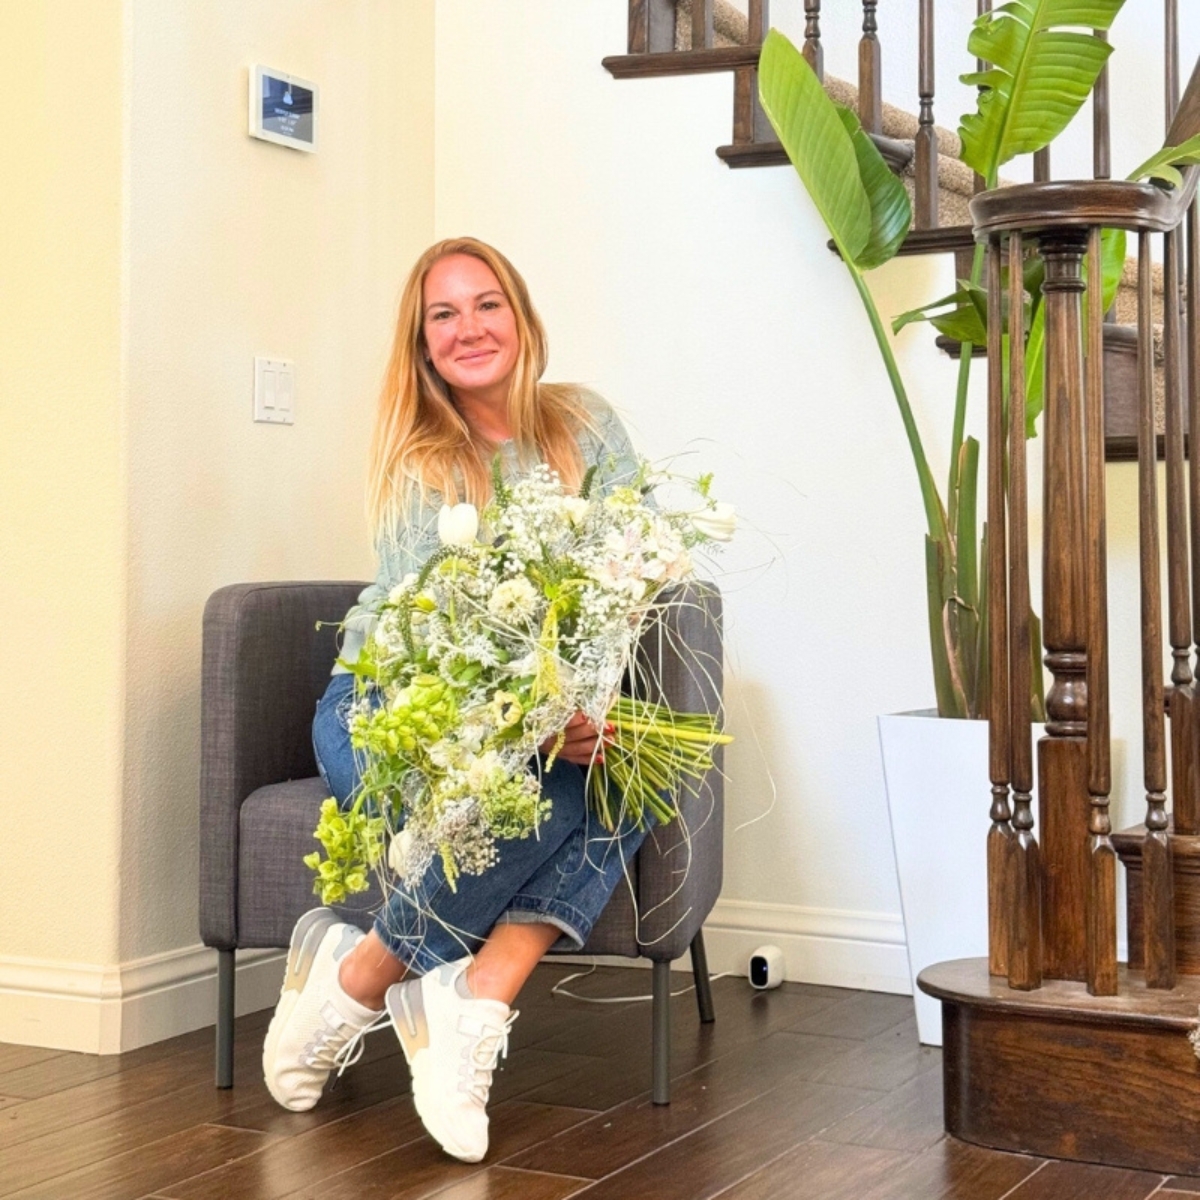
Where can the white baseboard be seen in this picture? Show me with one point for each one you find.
(828, 946)
(107, 1010)
(98, 1010)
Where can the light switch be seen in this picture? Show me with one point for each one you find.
(274, 390)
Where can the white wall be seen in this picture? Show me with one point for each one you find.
(162, 249)
(703, 303)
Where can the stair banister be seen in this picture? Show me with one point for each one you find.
(813, 50)
(1101, 898)
(1026, 951)
(870, 71)
(1000, 834)
(926, 149)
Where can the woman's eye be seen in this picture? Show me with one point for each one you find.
(440, 316)
(490, 304)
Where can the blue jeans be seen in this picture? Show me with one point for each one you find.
(563, 876)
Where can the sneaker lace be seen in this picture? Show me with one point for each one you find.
(490, 1046)
(332, 1048)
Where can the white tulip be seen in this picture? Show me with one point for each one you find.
(458, 525)
(717, 523)
(575, 508)
(399, 851)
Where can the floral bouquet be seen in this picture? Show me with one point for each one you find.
(510, 628)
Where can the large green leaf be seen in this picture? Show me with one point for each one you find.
(1166, 163)
(859, 212)
(891, 210)
(1112, 264)
(1042, 69)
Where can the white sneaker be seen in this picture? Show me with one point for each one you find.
(316, 1026)
(452, 1042)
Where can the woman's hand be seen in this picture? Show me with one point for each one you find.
(582, 742)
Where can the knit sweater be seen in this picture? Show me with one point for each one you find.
(406, 548)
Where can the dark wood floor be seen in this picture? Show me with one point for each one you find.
(800, 1092)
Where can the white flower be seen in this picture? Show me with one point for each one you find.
(576, 508)
(716, 523)
(399, 851)
(398, 592)
(458, 526)
(513, 600)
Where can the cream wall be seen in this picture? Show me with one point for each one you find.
(62, 476)
(703, 302)
(163, 249)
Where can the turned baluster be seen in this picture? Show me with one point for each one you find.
(1157, 881)
(1000, 835)
(1182, 701)
(981, 6)
(1101, 133)
(1193, 392)
(702, 24)
(813, 51)
(1064, 802)
(1171, 59)
(1025, 870)
(651, 26)
(870, 70)
(1101, 911)
(750, 123)
(926, 180)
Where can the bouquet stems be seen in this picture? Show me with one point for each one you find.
(648, 753)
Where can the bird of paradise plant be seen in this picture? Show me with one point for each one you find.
(1044, 61)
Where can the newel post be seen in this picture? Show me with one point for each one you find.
(1064, 802)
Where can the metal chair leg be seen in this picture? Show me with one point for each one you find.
(225, 982)
(704, 998)
(661, 1045)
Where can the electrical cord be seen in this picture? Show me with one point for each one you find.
(560, 990)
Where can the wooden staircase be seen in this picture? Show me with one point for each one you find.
(1051, 1046)
(675, 37)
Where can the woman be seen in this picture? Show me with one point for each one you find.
(444, 967)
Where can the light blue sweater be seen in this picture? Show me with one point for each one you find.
(606, 446)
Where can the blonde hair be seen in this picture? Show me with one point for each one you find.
(422, 444)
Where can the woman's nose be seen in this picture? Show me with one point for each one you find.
(470, 327)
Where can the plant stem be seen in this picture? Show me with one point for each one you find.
(960, 398)
(935, 512)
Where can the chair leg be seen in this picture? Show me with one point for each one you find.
(225, 981)
(661, 1044)
(704, 998)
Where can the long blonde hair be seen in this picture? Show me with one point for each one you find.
(422, 444)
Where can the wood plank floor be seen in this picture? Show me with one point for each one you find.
(800, 1092)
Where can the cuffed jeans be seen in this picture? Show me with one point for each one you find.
(563, 875)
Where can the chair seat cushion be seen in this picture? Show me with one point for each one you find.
(275, 888)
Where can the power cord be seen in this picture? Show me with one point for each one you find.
(559, 989)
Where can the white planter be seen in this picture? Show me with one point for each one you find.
(939, 796)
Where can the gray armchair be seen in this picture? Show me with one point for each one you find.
(268, 648)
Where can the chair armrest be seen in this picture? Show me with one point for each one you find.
(265, 664)
(679, 662)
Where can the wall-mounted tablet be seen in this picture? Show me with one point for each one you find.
(283, 109)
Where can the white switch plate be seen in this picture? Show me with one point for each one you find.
(274, 390)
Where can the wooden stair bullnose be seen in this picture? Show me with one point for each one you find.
(966, 981)
(1075, 204)
(681, 62)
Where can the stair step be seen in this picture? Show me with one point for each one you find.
(1059, 1073)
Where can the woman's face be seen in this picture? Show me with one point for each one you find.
(470, 328)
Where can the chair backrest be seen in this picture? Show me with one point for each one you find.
(265, 663)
